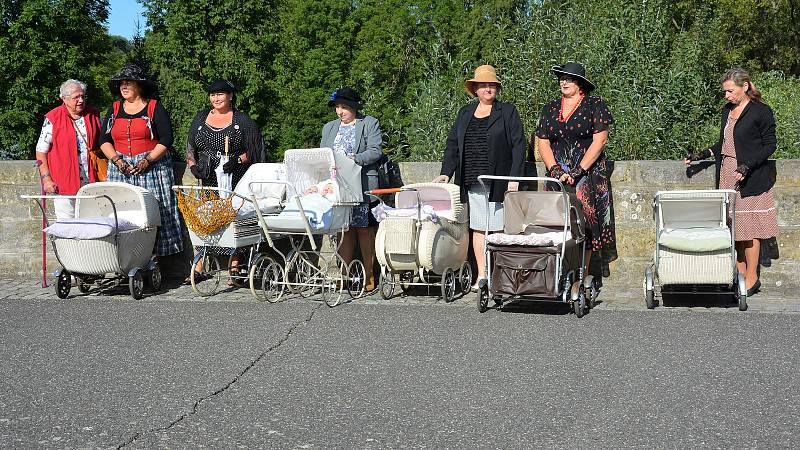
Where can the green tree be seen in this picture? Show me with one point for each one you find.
(46, 42)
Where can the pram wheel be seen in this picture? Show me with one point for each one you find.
(63, 283)
(136, 284)
(448, 285)
(406, 278)
(356, 279)
(649, 291)
(256, 275)
(206, 281)
(465, 277)
(300, 276)
(154, 278)
(741, 287)
(273, 283)
(388, 280)
(483, 300)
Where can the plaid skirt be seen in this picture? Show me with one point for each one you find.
(158, 180)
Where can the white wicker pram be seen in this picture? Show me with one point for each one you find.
(130, 215)
(425, 237)
(217, 250)
(305, 218)
(695, 248)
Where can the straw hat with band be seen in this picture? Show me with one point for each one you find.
(576, 71)
(483, 74)
(346, 96)
(131, 72)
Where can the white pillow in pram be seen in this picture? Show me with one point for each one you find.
(696, 239)
(256, 181)
(317, 208)
(87, 227)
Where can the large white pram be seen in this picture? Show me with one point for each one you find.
(306, 268)
(425, 236)
(218, 249)
(695, 248)
(110, 240)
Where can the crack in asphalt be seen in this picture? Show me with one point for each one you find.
(136, 436)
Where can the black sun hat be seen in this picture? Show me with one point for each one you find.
(221, 85)
(576, 70)
(346, 96)
(131, 72)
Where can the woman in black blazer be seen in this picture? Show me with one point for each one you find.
(486, 139)
(746, 141)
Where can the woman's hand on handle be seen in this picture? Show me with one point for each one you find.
(441, 179)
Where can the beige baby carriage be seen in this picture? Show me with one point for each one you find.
(109, 241)
(540, 255)
(695, 249)
(223, 227)
(307, 218)
(425, 237)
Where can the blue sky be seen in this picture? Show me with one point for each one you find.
(123, 16)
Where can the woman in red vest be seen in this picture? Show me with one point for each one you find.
(66, 143)
(136, 137)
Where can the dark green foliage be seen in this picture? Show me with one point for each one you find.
(44, 43)
(656, 62)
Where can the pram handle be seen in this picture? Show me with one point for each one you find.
(383, 191)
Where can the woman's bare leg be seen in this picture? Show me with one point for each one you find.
(348, 245)
(366, 240)
(479, 250)
(751, 257)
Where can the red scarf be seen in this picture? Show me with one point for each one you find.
(62, 159)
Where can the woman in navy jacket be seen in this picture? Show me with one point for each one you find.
(746, 141)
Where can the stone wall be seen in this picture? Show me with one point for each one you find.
(633, 184)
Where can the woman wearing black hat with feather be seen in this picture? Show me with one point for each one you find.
(573, 131)
(207, 135)
(359, 137)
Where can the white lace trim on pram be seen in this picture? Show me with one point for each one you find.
(547, 239)
(427, 212)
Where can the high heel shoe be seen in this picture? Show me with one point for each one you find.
(753, 290)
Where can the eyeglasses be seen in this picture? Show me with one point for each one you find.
(127, 83)
(75, 98)
(567, 79)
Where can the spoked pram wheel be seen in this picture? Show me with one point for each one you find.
(483, 299)
(356, 279)
(273, 282)
(649, 289)
(388, 280)
(136, 284)
(205, 281)
(465, 277)
(332, 290)
(448, 285)
(741, 289)
(255, 277)
(300, 275)
(63, 283)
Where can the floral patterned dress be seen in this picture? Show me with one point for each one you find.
(569, 141)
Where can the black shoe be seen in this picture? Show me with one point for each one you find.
(756, 287)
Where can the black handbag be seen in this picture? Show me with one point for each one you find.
(389, 173)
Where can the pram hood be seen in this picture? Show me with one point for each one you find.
(268, 195)
(444, 198)
(306, 167)
(522, 209)
(133, 203)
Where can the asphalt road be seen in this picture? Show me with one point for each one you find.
(98, 372)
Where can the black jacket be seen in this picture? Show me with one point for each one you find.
(506, 142)
(754, 138)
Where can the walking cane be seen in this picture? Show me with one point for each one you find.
(44, 223)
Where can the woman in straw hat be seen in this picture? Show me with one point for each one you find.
(136, 137)
(486, 139)
(573, 130)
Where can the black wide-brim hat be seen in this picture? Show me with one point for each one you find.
(131, 72)
(221, 85)
(346, 96)
(575, 70)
